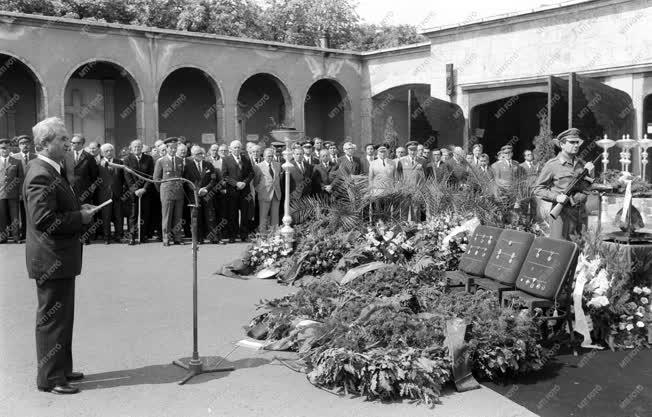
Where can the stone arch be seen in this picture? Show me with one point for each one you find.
(103, 79)
(263, 102)
(329, 116)
(409, 112)
(513, 120)
(209, 108)
(24, 97)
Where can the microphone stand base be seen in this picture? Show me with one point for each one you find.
(196, 367)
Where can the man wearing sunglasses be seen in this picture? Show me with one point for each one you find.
(555, 177)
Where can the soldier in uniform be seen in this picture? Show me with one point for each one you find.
(555, 177)
(172, 197)
(507, 172)
(11, 179)
(410, 172)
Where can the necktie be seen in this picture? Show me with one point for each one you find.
(326, 166)
(383, 162)
(76, 156)
(237, 160)
(271, 171)
(199, 166)
(174, 164)
(301, 167)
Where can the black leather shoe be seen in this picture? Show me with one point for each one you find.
(166, 244)
(75, 376)
(61, 389)
(131, 242)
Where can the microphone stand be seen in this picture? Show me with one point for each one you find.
(193, 365)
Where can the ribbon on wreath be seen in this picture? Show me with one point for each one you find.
(581, 322)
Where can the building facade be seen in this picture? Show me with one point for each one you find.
(483, 81)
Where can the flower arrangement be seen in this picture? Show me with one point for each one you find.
(268, 251)
(445, 239)
(324, 255)
(631, 327)
(387, 244)
(382, 336)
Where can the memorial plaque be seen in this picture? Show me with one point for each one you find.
(545, 267)
(480, 247)
(508, 256)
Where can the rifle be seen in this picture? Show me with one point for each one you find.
(556, 210)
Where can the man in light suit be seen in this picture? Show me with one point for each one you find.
(382, 173)
(53, 254)
(11, 179)
(172, 197)
(267, 180)
(204, 176)
(24, 155)
(238, 174)
(507, 172)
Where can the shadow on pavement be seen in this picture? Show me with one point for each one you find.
(163, 374)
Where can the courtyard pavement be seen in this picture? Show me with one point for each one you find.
(134, 316)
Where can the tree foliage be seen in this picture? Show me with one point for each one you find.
(291, 21)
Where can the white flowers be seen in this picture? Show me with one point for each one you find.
(640, 324)
(599, 301)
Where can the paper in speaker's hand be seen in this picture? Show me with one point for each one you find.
(106, 203)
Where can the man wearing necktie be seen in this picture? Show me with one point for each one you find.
(322, 175)
(203, 174)
(11, 179)
(507, 172)
(477, 154)
(25, 154)
(53, 254)
(167, 168)
(267, 180)
(369, 151)
(348, 164)
(139, 190)
(238, 174)
(300, 175)
(435, 167)
(111, 187)
(530, 168)
(382, 173)
(81, 170)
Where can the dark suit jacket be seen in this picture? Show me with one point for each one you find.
(11, 179)
(144, 167)
(301, 181)
(112, 184)
(233, 173)
(208, 178)
(344, 166)
(440, 172)
(320, 177)
(365, 165)
(82, 175)
(53, 248)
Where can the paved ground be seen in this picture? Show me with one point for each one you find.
(133, 317)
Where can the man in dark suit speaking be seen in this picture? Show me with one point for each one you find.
(53, 254)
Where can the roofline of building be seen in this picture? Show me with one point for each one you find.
(519, 17)
(117, 28)
(398, 50)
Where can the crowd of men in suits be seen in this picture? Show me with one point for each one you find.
(240, 189)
